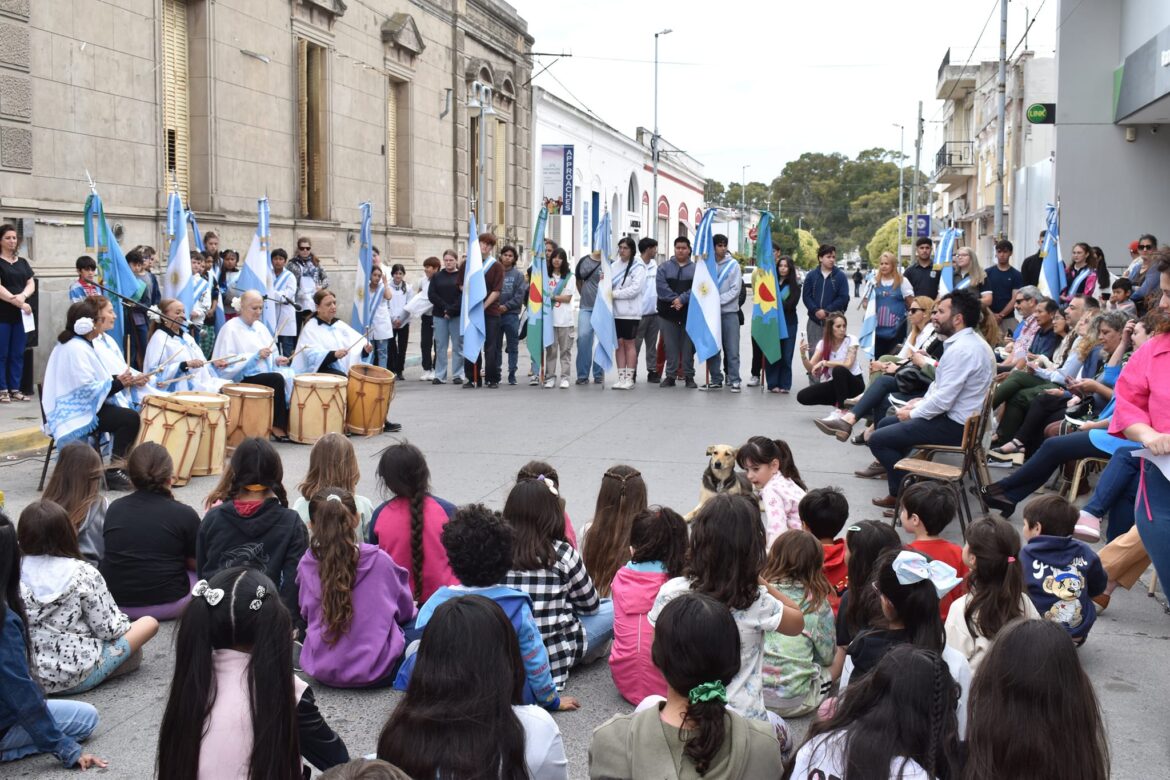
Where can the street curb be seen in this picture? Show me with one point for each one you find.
(23, 440)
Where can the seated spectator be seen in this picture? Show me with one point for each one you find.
(79, 637)
(962, 379)
(1119, 300)
(29, 722)
(834, 366)
(1061, 573)
(467, 691)
(823, 513)
(149, 565)
(479, 547)
(692, 729)
(76, 486)
(333, 463)
(927, 509)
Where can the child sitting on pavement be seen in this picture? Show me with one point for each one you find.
(927, 509)
(823, 513)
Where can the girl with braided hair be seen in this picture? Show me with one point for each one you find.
(539, 469)
(899, 722)
(340, 581)
(606, 541)
(408, 526)
(909, 585)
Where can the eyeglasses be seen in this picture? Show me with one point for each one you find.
(916, 310)
(1145, 246)
(304, 248)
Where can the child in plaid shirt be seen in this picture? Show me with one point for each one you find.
(576, 625)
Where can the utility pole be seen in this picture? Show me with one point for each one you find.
(1001, 110)
(917, 173)
(742, 207)
(901, 185)
(654, 142)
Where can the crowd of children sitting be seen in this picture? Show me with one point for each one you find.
(716, 632)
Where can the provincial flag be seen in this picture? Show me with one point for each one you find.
(704, 325)
(535, 337)
(768, 325)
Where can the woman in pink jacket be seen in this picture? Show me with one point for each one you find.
(658, 548)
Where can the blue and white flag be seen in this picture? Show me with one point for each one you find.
(114, 272)
(196, 233)
(704, 322)
(1052, 276)
(177, 282)
(867, 338)
(944, 260)
(604, 328)
(474, 291)
(365, 302)
(257, 268)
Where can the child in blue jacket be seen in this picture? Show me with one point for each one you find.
(1062, 573)
(479, 549)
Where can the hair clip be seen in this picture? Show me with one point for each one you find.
(333, 497)
(911, 567)
(83, 326)
(548, 483)
(211, 595)
(255, 488)
(258, 602)
(852, 529)
(1011, 559)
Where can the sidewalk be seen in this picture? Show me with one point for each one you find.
(20, 428)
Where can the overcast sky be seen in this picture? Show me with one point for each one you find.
(759, 83)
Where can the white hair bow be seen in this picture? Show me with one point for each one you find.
(912, 567)
(83, 326)
(211, 595)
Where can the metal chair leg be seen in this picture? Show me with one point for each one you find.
(45, 466)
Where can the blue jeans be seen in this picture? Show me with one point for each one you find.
(876, 397)
(12, 341)
(1053, 453)
(678, 345)
(894, 440)
(76, 719)
(510, 331)
(729, 325)
(447, 329)
(139, 336)
(1116, 493)
(381, 352)
(1152, 518)
(598, 631)
(585, 346)
(787, 349)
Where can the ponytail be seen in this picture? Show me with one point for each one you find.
(416, 542)
(788, 463)
(332, 517)
(916, 604)
(761, 450)
(711, 719)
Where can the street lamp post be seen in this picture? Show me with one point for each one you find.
(480, 98)
(901, 185)
(742, 207)
(654, 141)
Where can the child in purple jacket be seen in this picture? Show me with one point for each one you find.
(355, 609)
(479, 548)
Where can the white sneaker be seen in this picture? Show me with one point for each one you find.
(564, 383)
(622, 382)
(833, 415)
(551, 383)
(754, 382)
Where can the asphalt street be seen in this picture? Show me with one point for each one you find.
(475, 440)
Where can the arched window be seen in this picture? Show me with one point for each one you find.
(632, 194)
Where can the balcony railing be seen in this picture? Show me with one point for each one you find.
(954, 154)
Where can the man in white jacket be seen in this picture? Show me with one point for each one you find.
(648, 326)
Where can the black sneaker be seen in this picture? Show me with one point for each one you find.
(391, 427)
(457, 382)
(598, 380)
(493, 385)
(691, 384)
(584, 381)
(653, 376)
(469, 385)
(711, 386)
(668, 382)
(117, 480)
(437, 381)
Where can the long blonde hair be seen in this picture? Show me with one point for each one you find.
(332, 463)
(974, 270)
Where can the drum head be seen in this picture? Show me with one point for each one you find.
(245, 390)
(213, 400)
(321, 380)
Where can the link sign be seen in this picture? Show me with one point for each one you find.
(1041, 113)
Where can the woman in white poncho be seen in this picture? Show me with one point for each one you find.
(79, 390)
(174, 359)
(328, 345)
(247, 348)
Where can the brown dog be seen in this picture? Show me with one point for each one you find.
(720, 476)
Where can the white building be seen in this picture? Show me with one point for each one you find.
(1113, 123)
(964, 175)
(612, 171)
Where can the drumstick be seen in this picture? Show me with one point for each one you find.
(165, 363)
(279, 326)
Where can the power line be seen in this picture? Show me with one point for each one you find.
(994, 6)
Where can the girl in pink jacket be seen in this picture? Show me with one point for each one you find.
(658, 548)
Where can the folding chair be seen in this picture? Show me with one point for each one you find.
(970, 477)
(1081, 471)
(52, 441)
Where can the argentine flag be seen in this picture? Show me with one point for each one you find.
(867, 338)
(178, 281)
(114, 272)
(604, 329)
(257, 266)
(704, 325)
(1052, 270)
(944, 260)
(364, 302)
(474, 291)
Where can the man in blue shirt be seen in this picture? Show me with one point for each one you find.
(1003, 281)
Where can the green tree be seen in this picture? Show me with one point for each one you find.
(713, 191)
(806, 253)
(885, 239)
(867, 214)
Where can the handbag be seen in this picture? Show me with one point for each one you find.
(913, 380)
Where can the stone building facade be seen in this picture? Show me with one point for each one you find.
(316, 104)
